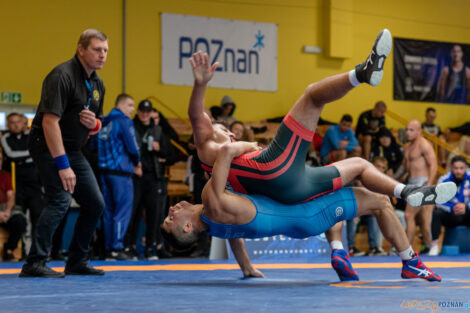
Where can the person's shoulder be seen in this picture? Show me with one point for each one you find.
(4, 175)
(445, 177)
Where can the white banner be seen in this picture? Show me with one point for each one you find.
(246, 51)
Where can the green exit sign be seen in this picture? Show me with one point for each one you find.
(11, 97)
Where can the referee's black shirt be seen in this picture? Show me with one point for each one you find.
(65, 93)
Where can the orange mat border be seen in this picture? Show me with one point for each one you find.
(213, 267)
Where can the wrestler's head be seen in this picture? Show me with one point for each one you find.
(178, 228)
(222, 134)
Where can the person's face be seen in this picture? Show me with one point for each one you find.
(237, 130)
(177, 216)
(344, 126)
(127, 107)
(456, 53)
(430, 117)
(94, 56)
(156, 117)
(15, 124)
(379, 112)
(144, 116)
(222, 134)
(385, 141)
(380, 165)
(458, 170)
(412, 131)
(227, 109)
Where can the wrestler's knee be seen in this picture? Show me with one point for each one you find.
(383, 204)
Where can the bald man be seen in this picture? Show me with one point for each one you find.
(420, 163)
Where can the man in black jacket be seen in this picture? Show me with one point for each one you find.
(150, 190)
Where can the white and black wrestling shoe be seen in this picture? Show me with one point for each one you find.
(371, 71)
(426, 195)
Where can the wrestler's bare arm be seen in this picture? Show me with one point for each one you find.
(200, 121)
(239, 251)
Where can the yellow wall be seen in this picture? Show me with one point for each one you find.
(37, 35)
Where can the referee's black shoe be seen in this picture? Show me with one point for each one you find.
(39, 269)
(82, 268)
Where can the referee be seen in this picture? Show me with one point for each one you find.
(70, 110)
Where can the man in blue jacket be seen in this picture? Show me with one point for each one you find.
(456, 212)
(339, 142)
(118, 160)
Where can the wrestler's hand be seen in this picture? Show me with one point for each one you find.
(253, 272)
(459, 208)
(88, 118)
(67, 176)
(202, 69)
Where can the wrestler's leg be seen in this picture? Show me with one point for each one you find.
(307, 109)
(410, 218)
(381, 208)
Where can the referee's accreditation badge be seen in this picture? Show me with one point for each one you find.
(96, 95)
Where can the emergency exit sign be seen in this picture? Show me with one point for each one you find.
(11, 97)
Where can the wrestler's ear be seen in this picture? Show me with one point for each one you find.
(188, 227)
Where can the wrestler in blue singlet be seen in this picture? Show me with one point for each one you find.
(294, 220)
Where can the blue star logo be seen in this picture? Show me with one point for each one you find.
(259, 43)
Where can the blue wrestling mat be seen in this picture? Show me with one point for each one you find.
(207, 286)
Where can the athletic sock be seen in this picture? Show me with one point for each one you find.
(336, 244)
(353, 79)
(398, 189)
(408, 254)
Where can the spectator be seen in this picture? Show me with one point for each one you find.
(241, 132)
(216, 113)
(421, 165)
(433, 129)
(228, 107)
(118, 159)
(455, 212)
(150, 190)
(339, 142)
(387, 147)
(11, 217)
(29, 195)
(368, 125)
(159, 119)
(462, 149)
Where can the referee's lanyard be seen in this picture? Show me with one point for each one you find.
(89, 86)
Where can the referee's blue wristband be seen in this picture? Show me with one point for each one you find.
(62, 162)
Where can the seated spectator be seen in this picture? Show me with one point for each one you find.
(228, 107)
(339, 142)
(455, 212)
(433, 129)
(11, 217)
(368, 125)
(387, 147)
(463, 148)
(29, 195)
(241, 132)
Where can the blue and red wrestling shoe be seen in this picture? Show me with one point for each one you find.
(414, 268)
(342, 265)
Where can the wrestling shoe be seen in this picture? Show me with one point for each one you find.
(342, 265)
(425, 195)
(371, 71)
(414, 268)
